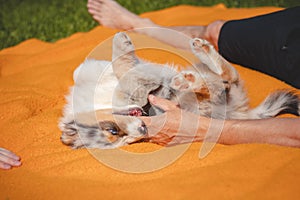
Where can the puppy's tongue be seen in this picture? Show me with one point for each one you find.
(135, 112)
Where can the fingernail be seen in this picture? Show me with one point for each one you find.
(17, 163)
(16, 157)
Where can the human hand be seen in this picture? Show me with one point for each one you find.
(175, 126)
(8, 159)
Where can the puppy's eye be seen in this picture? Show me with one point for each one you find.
(113, 131)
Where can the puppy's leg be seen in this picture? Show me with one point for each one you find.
(214, 61)
(123, 57)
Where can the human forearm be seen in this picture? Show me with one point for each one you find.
(177, 126)
(279, 131)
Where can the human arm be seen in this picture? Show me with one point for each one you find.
(279, 131)
(8, 159)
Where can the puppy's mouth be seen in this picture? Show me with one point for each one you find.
(135, 112)
(146, 110)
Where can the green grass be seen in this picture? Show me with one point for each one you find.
(50, 20)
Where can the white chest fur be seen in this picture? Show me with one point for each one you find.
(94, 86)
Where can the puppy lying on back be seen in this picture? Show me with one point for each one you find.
(119, 89)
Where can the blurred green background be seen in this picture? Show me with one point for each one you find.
(50, 20)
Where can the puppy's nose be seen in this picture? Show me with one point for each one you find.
(143, 129)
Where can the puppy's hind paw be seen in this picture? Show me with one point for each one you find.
(200, 45)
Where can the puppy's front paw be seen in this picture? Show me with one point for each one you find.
(184, 81)
(122, 42)
(178, 82)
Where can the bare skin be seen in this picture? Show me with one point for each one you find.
(8, 159)
(110, 14)
(270, 131)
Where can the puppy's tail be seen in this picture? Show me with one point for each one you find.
(278, 103)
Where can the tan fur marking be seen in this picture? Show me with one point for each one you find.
(190, 77)
(202, 94)
(205, 48)
(68, 139)
(110, 137)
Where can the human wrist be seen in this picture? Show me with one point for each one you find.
(227, 135)
(203, 126)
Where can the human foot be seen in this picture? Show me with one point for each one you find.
(110, 14)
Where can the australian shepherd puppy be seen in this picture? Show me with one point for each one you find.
(107, 96)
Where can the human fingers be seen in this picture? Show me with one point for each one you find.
(8, 159)
(154, 124)
(9, 154)
(163, 104)
(4, 165)
(7, 163)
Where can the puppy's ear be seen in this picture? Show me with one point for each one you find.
(123, 57)
(213, 60)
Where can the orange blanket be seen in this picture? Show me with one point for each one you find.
(36, 75)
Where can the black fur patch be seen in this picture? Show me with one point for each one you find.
(292, 104)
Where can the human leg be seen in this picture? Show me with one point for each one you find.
(109, 13)
(267, 43)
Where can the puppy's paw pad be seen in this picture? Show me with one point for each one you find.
(179, 83)
(189, 77)
(201, 45)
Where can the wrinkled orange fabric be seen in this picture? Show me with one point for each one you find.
(36, 75)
